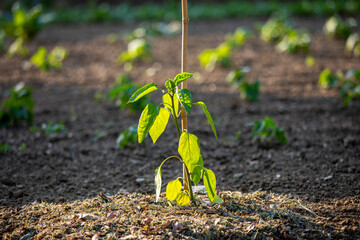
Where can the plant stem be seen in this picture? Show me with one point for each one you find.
(175, 117)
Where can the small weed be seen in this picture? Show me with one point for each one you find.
(266, 130)
(295, 41)
(336, 27)
(46, 61)
(137, 50)
(122, 91)
(52, 128)
(127, 137)
(248, 91)
(348, 84)
(18, 107)
(98, 135)
(4, 148)
(310, 61)
(17, 48)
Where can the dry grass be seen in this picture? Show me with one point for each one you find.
(259, 215)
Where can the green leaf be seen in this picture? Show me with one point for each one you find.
(182, 77)
(148, 88)
(183, 199)
(170, 86)
(147, 119)
(280, 136)
(203, 106)
(185, 99)
(173, 189)
(210, 185)
(168, 104)
(158, 182)
(159, 124)
(189, 149)
(39, 59)
(197, 172)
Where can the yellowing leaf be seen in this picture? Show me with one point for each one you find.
(210, 185)
(148, 88)
(183, 199)
(173, 189)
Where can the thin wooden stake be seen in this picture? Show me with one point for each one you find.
(185, 21)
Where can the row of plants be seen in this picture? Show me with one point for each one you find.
(22, 27)
(347, 84)
(278, 30)
(338, 28)
(126, 12)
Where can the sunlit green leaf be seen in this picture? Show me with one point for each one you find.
(197, 171)
(203, 106)
(147, 119)
(170, 85)
(168, 104)
(183, 199)
(159, 124)
(173, 189)
(189, 148)
(182, 77)
(185, 99)
(210, 185)
(148, 88)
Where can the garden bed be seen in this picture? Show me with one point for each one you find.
(320, 165)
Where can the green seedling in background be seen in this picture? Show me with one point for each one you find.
(154, 120)
(288, 39)
(127, 137)
(294, 41)
(122, 91)
(222, 54)
(24, 26)
(2, 41)
(352, 45)
(238, 79)
(46, 61)
(266, 130)
(4, 148)
(310, 61)
(348, 84)
(138, 50)
(52, 128)
(336, 27)
(18, 107)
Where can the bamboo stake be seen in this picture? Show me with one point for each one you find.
(185, 21)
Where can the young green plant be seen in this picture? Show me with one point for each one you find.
(154, 120)
(266, 130)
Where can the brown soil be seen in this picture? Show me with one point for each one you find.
(321, 163)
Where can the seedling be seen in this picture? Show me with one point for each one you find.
(352, 45)
(274, 29)
(266, 130)
(52, 128)
(287, 38)
(348, 84)
(17, 48)
(18, 107)
(138, 50)
(4, 148)
(295, 41)
(222, 54)
(154, 120)
(127, 137)
(336, 27)
(238, 79)
(310, 61)
(46, 61)
(122, 91)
